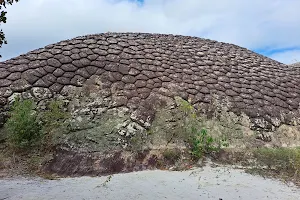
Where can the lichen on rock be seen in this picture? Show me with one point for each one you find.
(121, 88)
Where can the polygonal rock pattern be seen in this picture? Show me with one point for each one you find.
(134, 65)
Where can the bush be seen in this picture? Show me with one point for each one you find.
(201, 143)
(54, 116)
(200, 140)
(53, 121)
(22, 126)
(26, 128)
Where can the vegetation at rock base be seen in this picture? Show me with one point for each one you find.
(23, 128)
(27, 128)
(202, 143)
(171, 155)
(200, 140)
(29, 135)
(3, 19)
(282, 163)
(54, 119)
(54, 116)
(279, 162)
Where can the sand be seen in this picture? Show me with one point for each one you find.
(204, 183)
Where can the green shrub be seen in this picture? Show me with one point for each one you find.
(22, 126)
(54, 122)
(201, 143)
(200, 140)
(27, 128)
(54, 117)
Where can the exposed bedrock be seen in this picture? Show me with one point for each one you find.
(129, 70)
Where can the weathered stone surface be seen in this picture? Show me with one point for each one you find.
(68, 68)
(5, 92)
(131, 67)
(3, 73)
(18, 68)
(20, 85)
(58, 72)
(53, 62)
(4, 82)
(41, 93)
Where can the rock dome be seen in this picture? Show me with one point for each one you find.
(130, 68)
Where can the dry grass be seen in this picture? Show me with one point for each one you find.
(14, 163)
(282, 163)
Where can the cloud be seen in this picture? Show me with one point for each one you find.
(255, 24)
(287, 57)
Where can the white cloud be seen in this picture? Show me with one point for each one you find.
(287, 57)
(254, 24)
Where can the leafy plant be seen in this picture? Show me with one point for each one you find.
(201, 142)
(27, 128)
(22, 126)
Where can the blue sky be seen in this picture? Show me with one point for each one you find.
(268, 27)
(286, 55)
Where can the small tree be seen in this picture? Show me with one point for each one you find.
(3, 19)
(22, 126)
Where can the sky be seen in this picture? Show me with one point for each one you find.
(268, 27)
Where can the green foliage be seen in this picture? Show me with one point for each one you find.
(54, 116)
(22, 126)
(3, 19)
(54, 120)
(27, 128)
(185, 106)
(201, 143)
(200, 140)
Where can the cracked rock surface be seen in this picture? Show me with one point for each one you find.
(133, 67)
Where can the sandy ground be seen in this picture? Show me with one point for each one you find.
(206, 183)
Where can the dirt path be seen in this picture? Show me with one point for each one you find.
(207, 183)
